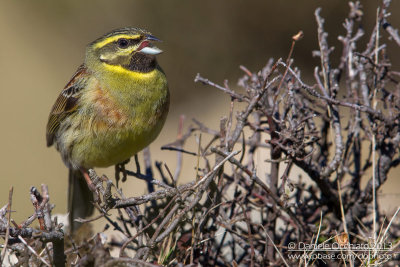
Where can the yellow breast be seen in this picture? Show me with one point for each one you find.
(116, 118)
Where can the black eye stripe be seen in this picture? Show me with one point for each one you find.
(124, 43)
(134, 41)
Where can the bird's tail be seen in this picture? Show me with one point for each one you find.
(80, 199)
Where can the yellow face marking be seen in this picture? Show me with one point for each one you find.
(114, 38)
(132, 74)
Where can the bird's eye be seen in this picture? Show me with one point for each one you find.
(122, 43)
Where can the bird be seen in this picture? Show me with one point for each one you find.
(115, 105)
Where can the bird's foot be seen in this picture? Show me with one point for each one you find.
(94, 183)
(97, 185)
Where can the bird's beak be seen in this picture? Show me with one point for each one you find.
(152, 38)
(147, 47)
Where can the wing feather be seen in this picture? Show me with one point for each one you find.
(66, 102)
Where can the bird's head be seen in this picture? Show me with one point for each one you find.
(129, 48)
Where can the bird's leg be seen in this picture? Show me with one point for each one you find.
(88, 180)
(92, 186)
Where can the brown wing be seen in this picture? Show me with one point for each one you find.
(66, 102)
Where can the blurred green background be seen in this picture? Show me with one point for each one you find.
(43, 42)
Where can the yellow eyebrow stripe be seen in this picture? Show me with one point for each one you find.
(114, 38)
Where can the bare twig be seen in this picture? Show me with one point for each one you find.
(3, 253)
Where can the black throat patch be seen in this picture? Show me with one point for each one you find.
(141, 63)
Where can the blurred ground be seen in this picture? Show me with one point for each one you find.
(43, 43)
